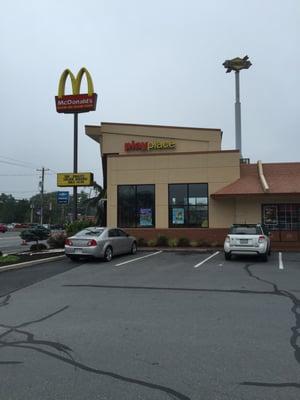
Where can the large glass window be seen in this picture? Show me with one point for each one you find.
(281, 216)
(188, 205)
(136, 206)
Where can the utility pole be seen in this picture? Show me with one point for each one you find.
(42, 192)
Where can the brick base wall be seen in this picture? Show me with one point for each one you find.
(216, 236)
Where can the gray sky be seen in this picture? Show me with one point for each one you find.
(152, 62)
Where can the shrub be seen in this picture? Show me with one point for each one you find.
(9, 259)
(142, 242)
(173, 242)
(76, 226)
(162, 241)
(38, 247)
(57, 240)
(203, 243)
(194, 243)
(215, 244)
(183, 242)
(151, 242)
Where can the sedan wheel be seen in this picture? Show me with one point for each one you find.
(133, 248)
(108, 254)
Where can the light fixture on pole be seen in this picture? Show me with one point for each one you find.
(236, 65)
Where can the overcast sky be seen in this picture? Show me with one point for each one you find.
(152, 62)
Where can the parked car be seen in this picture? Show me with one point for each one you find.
(38, 232)
(99, 242)
(3, 228)
(247, 239)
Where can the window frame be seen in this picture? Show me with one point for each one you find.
(153, 208)
(276, 227)
(186, 206)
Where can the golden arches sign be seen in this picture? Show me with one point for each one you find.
(76, 102)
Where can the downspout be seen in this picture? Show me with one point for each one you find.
(263, 181)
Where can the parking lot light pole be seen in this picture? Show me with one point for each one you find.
(236, 65)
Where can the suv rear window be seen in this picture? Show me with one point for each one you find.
(245, 230)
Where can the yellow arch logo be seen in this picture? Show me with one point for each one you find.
(76, 82)
(76, 102)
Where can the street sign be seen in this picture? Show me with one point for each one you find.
(62, 197)
(78, 179)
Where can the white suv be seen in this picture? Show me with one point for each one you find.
(247, 239)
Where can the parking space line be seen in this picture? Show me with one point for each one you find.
(138, 258)
(206, 259)
(280, 260)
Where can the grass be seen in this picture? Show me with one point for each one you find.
(8, 259)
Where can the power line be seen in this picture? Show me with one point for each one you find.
(19, 161)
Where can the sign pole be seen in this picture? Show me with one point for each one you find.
(75, 167)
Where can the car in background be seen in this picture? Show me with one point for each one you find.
(99, 242)
(3, 228)
(247, 239)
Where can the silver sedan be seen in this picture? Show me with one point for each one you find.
(99, 242)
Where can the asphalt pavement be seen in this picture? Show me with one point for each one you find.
(152, 326)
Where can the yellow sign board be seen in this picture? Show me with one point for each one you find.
(71, 179)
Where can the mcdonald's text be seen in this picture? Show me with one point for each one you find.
(78, 103)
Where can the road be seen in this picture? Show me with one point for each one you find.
(152, 326)
(11, 242)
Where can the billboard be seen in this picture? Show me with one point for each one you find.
(72, 179)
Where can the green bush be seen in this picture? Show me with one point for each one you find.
(173, 242)
(57, 240)
(73, 227)
(203, 243)
(194, 243)
(38, 247)
(162, 241)
(9, 259)
(142, 242)
(151, 242)
(183, 242)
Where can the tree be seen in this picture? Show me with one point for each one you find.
(98, 203)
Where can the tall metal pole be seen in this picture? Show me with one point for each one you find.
(75, 168)
(238, 123)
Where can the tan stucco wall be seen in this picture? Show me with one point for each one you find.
(216, 169)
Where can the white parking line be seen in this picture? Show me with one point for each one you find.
(280, 261)
(138, 258)
(206, 259)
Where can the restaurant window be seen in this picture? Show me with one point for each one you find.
(136, 206)
(281, 216)
(188, 205)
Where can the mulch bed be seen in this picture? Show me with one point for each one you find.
(32, 256)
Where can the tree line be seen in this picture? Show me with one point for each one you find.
(28, 210)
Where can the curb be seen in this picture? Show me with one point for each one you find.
(30, 263)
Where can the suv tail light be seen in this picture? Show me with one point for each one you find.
(68, 242)
(92, 243)
(227, 239)
(261, 239)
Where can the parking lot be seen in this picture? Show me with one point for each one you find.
(156, 325)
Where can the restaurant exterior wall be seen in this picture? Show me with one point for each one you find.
(214, 168)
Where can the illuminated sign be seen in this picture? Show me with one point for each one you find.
(79, 179)
(149, 146)
(76, 102)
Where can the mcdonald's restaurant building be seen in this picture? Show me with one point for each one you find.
(178, 182)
